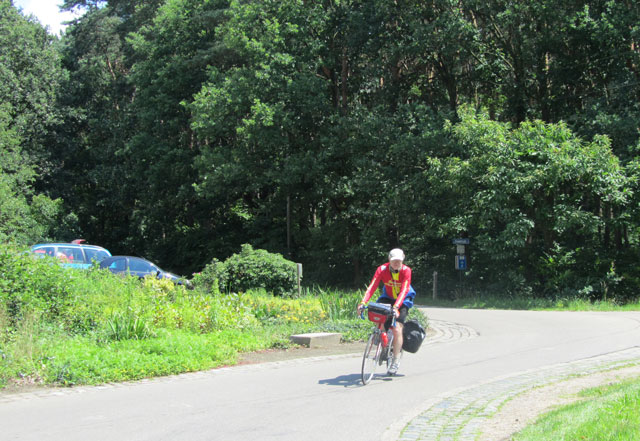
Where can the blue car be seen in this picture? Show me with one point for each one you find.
(139, 267)
(72, 255)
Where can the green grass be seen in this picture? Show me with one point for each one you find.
(80, 360)
(609, 413)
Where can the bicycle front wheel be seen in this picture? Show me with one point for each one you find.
(372, 352)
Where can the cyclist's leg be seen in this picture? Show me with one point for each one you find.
(397, 331)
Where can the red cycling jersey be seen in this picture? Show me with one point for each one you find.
(396, 289)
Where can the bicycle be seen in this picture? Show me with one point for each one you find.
(379, 348)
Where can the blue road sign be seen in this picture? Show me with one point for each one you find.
(461, 262)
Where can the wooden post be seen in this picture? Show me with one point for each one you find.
(289, 225)
(435, 285)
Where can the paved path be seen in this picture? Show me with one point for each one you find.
(459, 414)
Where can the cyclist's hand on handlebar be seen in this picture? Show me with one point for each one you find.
(360, 308)
(396, 312)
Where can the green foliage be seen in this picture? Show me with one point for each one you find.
(126, 326)
(30, 74)
(251, 269)
(68, 326)
(536, 190)
(609, 413)
(274, 310)
(317, 130)
(80, 360)
(336, 305)
(207, 279)
(24, 217)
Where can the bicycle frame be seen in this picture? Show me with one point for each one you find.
(379, 346)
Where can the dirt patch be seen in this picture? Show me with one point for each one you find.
(527, 407)
(304, 352)
(299, 352)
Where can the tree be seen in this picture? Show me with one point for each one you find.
(172, 54)
(30, 73)
(538, 202)
(28, 79)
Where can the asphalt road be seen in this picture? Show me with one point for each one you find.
(320, 398)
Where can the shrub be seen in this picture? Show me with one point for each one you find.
(28, 283)
(251, 269)
(208, 278)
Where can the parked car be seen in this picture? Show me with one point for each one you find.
(137, 266)
(73, 255)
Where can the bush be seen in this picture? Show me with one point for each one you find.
(28, 283)
(207, 280)
(250, 269)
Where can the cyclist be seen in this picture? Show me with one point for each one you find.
(396, 291)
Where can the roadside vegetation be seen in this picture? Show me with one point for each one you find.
(69, 327)
(607, 413)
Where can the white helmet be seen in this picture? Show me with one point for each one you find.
(396, 254)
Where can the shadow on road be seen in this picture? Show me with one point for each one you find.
(350, 380)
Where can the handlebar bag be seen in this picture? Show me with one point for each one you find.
(379, 312)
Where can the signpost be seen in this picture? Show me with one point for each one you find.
(462, 258)
(462, 261)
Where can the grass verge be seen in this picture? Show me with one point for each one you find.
(608, 413)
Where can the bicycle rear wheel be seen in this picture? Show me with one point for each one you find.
(372, 352)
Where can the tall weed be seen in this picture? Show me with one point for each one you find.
(338, 305)
(126, 326)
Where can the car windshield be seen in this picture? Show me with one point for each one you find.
(141, 266)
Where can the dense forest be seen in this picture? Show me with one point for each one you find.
(331, 131)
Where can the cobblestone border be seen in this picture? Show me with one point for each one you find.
(459, 415)
(447, 331)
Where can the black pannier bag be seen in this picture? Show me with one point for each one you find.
(413, 335)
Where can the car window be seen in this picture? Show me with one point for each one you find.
(49, 251)
(70, 255)
(118, 265)
(95, 254)
(140, 266)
